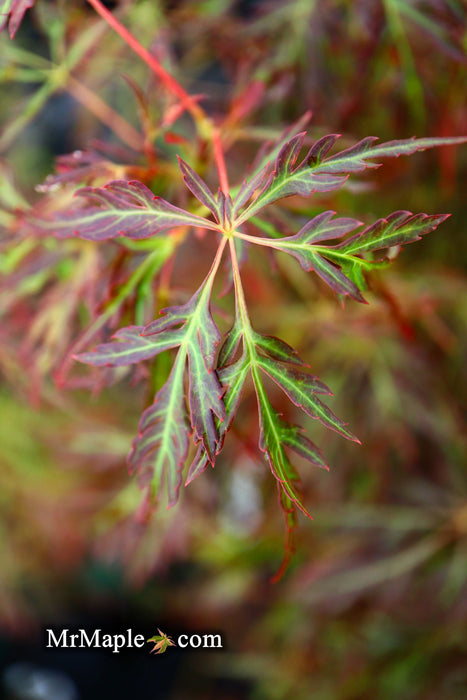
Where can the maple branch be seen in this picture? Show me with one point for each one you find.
(172, 85)
(220, 160)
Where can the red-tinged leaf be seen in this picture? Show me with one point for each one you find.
(126, 209)
(293, 437)
(319, 174)
(301, 389)
(12, 13)
(231, 344)
(406, 147)
(288, 155)
(320, 148)
(195, 310)
(225, 207)
(359, 157)
(232, 379)
(173, 316)
(160, 450)
(324, 227)
(200, 463)
(249, 187)
(207, 336)
(270, 442)
(311, 260)
(277, 349)
(131, 348)
(398, 229)
(332, 275)
(230, 382)
(350, 160)
(340, 265)
(291, 379)
(78, 167)
(205, 399)
(304, 184)
(199, 188)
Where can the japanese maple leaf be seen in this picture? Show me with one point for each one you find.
(161, 642)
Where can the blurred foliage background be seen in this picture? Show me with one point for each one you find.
(374, 604)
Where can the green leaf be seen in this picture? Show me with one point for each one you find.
(331, 274)
(279, 361)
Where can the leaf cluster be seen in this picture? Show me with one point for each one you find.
(195, 407)
(121, 239)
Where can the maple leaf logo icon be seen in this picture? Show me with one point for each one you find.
(161, 642)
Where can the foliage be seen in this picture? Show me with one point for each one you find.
(193, 410)
(168, 262)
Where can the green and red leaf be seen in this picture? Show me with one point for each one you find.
(301, 388)
(316, 173)
(124, 208)
(12, 13)
(130, 347)
(159, 451)
(199, 188)
(341, 265)
(398, 229)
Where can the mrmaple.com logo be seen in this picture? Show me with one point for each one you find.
(97, 639)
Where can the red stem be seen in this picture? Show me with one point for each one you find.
(168, 80)
(220, 161)
(173, 87)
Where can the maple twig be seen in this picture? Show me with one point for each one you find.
(167, 79)
(220, 161)
(174, 87)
